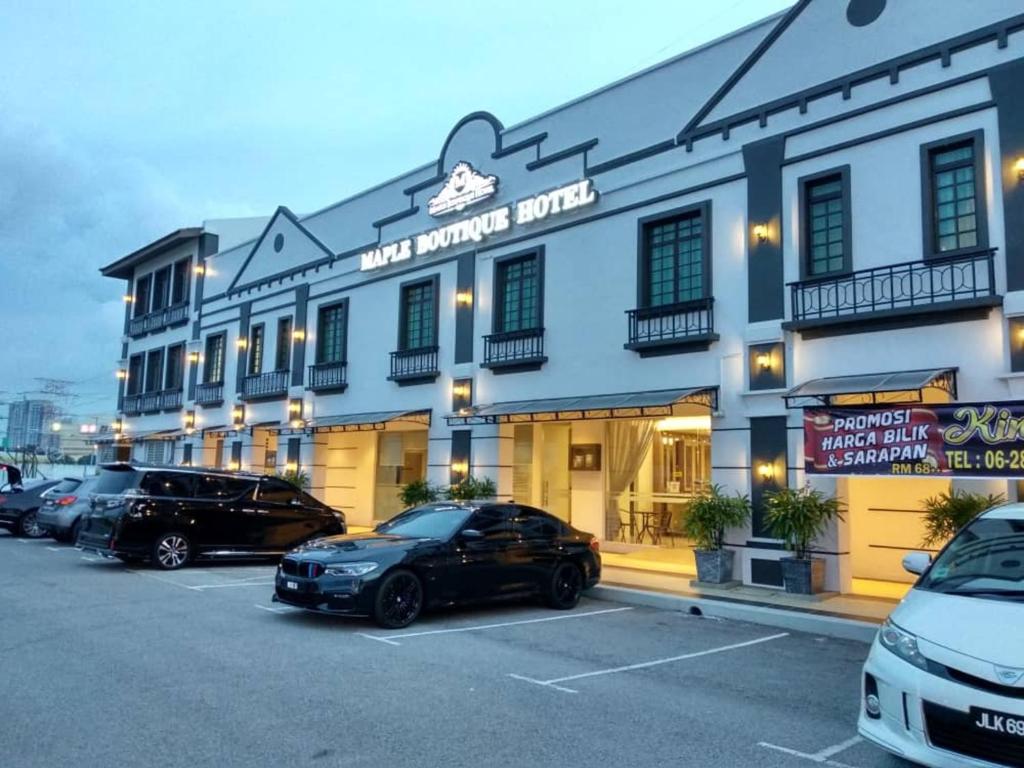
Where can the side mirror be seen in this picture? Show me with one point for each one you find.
(471, 534)
(917, 562)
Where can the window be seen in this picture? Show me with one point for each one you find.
(220, 487)
(954, 203)
(143, 289)
(175, 377)
(168, 484)
(534, 524)
(278, 492)
(282, 352)
(213, 368)
(825, 239)
(136, 365)
(180, 282)
(418, 316)
(256, 349)
(675, 258)
(161, 287)
(493, 522)
(154, 370)
(517, 294)
(331, 333)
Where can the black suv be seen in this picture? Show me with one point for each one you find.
(172, 515)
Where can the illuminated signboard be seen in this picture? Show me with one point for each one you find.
(483, 225)
(464, 187)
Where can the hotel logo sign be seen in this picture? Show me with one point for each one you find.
(464, 186)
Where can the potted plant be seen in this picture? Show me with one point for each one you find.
(470, 488)
(417, 492)
(296, 477)
(798, 517)
(947, 513)
(706, 520)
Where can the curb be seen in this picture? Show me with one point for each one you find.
(798, 621)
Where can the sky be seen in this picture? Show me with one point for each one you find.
(123, 121)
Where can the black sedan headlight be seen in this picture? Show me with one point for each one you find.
(350, 569)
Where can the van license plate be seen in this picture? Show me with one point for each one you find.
(998, 723)
(291, 585)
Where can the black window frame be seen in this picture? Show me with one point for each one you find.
(805, 183)
(161, 298)
(140, 306)
(257, 349)
(645, 224)
(211, 339)
(434, 281)
(283, 344)
(182, 269)
(500, 286)
(175, 352)
(157, 379)
(321, 338)
(928, 205)
(136, 379)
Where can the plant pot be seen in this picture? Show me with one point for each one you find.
(714, 566)
(803, 577)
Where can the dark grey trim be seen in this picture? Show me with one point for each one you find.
(768, 444)
(320, 309)
(1004, 82)
(208, 245)
(186, 454)
(642, 258)
(299, 345)
(461, 451)
(536, 251)
(435, 281)
(526, 143)
(236, 452)
(631, 157)
(244, 311)
(465, 280)
(123, 267)
(379, 223)
(563, 154)
(496, 126)
(294, 450)
(894, 319)
(763, 160)
(206, 358)
(843, 171)
(774, 377)
(977, 138)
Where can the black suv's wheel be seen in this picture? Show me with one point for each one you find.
(566, 587)
(29, 526)
(399, 600)
(171, 551)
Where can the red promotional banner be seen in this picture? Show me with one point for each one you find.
(966, 439)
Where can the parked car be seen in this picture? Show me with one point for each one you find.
(441, 554)
(62, 512)
(171, 516)
(944, 682)
(19, 504)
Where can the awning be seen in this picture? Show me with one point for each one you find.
(626, 405)
(895, 387)
(368, 422)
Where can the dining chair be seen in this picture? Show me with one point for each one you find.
(627, 524)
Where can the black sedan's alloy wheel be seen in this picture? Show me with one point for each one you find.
(399, 600)
(30, 527)
(171, 551)
(566, 587)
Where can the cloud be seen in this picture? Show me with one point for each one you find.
(64, 213)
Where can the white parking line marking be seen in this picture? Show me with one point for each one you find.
(234, 584)
(55, 549)
(823, 756)
(165, 581)
(552, 683)
(273, 610)
(378, 639)
(91, 559)
(480, 627)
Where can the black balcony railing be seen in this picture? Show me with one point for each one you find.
(327, 377)
(419, 364)
(524, 348)
(672, 325)
(158, 319)
(932, 285)
(265, 385)
(210, 393)
(170, 399)
(132, 405)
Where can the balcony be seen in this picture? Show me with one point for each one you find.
(688, 326)
(170, 399)
(913, 293)
(328, 377)
(414, 366)
(168, 317)
(265, 386)
(144, 402)
(514, 350)
(210, 393)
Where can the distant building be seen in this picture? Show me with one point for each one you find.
(29, 426)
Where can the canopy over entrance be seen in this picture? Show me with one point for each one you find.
(627, 405)
(367, 422)
(876, 388)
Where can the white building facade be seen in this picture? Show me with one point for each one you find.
(614, 305)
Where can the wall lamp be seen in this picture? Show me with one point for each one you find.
(291, 466)
(193, 357)
(241, 342)
(764, 360)
(765, 470)
(299, 335)
(238, 415)
(189, 422)
(464, 298)
(121, 373)
(460, 468)
(200, 269)
(1019, 168)
(460, 389)
(761, 232)
(128, 298)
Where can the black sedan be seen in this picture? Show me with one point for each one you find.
(441, 554)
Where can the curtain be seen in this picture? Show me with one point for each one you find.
(628, 444)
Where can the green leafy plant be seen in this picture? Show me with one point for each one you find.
(470, 488)
(418, 492)
(798, 517)
(296, 477)
(947, 513)
(710, 514)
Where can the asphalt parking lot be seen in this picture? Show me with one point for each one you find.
(104, 664)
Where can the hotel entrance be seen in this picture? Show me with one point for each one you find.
(541, 476)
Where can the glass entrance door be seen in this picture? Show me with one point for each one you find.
(555, 487)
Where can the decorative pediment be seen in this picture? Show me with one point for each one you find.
(284, 246)
(464, 186)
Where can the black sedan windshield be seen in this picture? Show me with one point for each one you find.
(986, 559)
(430, 522)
